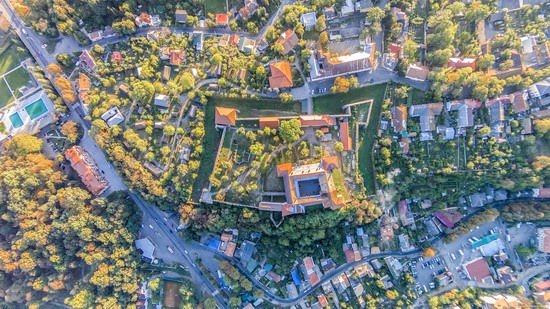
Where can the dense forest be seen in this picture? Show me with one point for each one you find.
(57, 244)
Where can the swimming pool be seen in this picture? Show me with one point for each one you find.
(36, 109)
(16, 120)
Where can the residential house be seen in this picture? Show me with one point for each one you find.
(309, 20)
(247, 45)
(87, 62)
(506, 275)
(250, 7)
(540, 92)
(288, 40)
(116, 57)
(448, 217)
(322, 300)
(542, 286)
(542, 298)
(351, 253)
(162, 101)
(198, 40)
(113, 117)
(228, 242)
(519, 101)
(364, 269)
(496, 108)
(427, 114)
(86, 168)
(477, 199)
(225, 117)
(166, 72)
(347, 8)
(405, 215)
(460, 63)
(399, 118)
(245, 252)
(328, 265)
(145, 19)
(500, 301)
(543, 237)
(281, 75)
(386, 232)
(394, 266)
(404, 242)
(181, 16)
(311, 271)
(341, 282)
(222, 20)
(395, 51)
(417, 72)
(478, 270)
(465, 110)
(363, 5)
(176, 56)
(83, 85)
(329, 12)
(95, 36)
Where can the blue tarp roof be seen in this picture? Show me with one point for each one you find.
(213, 243)
(296, 277)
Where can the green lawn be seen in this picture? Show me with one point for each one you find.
(17, 79)
(5, 94)
(12, 57)
(215, 6)
(258, 107)
(332, 103)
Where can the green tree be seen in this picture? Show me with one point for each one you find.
(23, 144)
(290, 130)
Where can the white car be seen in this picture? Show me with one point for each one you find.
(169, 249)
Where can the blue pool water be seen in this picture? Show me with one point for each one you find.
(16, 120)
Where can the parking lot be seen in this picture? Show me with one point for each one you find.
(424, 271)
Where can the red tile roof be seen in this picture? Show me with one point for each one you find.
(176, 56)
(226, 116)
(322, 300)
(448, 217)
(350, 256)
(116, 57)
(542, 285)
(222, 19)
(478, 270)
(86, 168)
(458, 63)
(394, 50)
(344, 135)
(281, 75)
(317, 121)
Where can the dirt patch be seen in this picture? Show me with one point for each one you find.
(172, 295)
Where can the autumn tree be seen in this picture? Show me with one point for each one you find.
(72, 131)
(290, 130)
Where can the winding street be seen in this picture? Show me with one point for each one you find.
(167, 232)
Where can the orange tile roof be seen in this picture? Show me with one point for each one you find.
(270, 122)
(226, 116)
(542, 285)
(116, 57)
(230, 249)
(176, 56)
(478, 269)
(317, 121)
(344, 135)
(308, 263)
(234, 40)
(83, 83)
(145, 18)
(322, 300)
(222, 19)
(281, 75)
(86, 169)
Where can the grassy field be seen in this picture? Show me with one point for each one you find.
(257, 108)
(210, 144)
(332, 103)
(5, 94)
(367, 138)
(12, 57)
(17, 79)
(215, 6)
